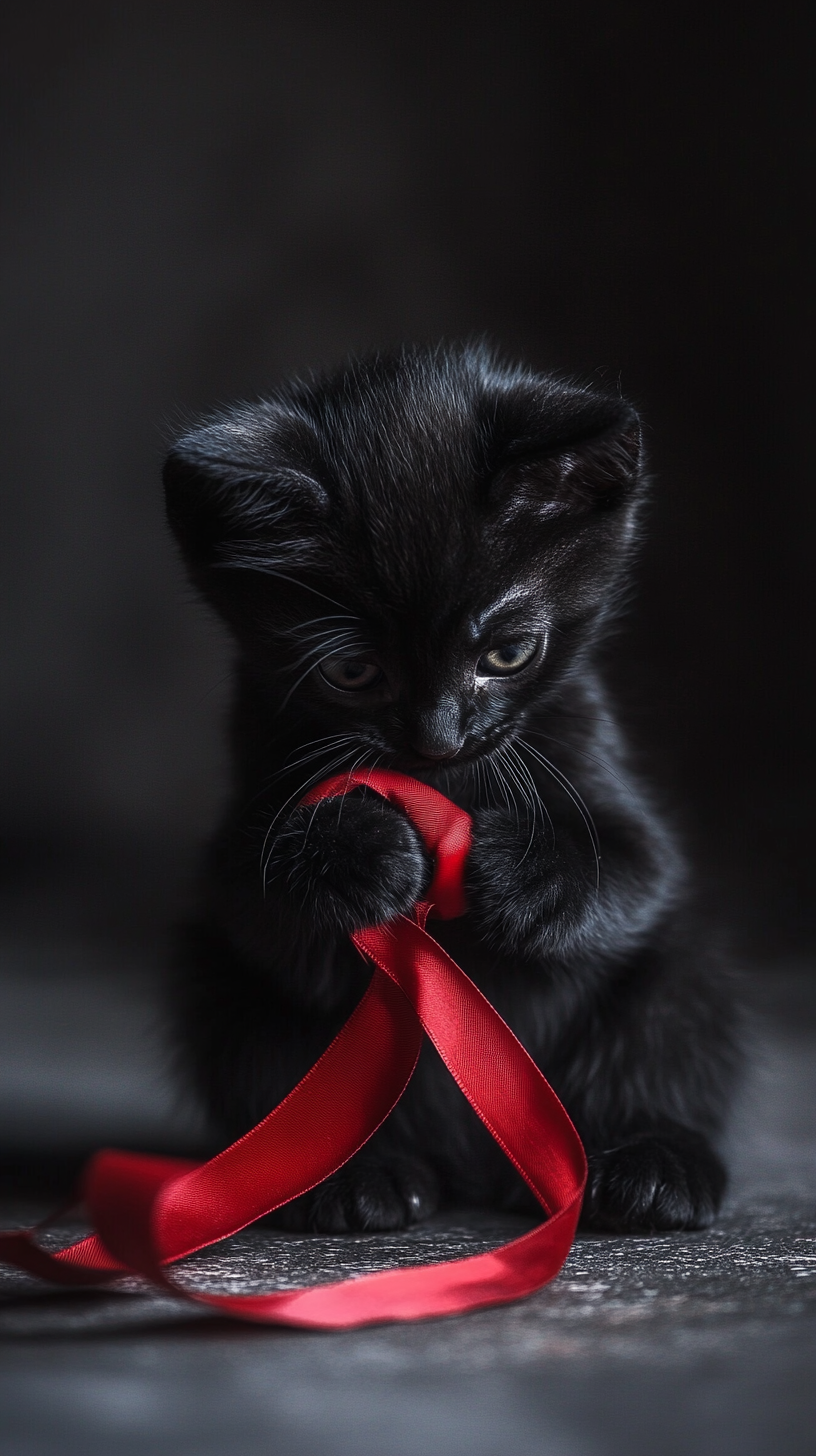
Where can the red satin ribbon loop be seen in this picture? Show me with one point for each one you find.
(148, 1212)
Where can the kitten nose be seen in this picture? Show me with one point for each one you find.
(437, 735)
(437, 753)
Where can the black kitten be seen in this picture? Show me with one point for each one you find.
(417, 555)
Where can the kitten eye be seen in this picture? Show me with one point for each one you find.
(507, 658)
(351, 674)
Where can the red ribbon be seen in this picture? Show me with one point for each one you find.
(148, 1212)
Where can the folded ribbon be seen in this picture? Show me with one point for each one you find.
(148, 1212)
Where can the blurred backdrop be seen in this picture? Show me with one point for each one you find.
(199, 198)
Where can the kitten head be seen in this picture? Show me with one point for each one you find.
(413, 550)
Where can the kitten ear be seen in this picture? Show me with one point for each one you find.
(588, 475)
(601, 472)
(238, 496)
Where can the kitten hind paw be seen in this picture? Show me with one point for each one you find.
(652, 1183)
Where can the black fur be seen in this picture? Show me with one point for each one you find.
(414, 513)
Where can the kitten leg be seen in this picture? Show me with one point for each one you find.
(536, 895)
(327, 870)
(247, 1045)
(652, 1065)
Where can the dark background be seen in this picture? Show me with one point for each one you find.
(196, 199)
(201, 197)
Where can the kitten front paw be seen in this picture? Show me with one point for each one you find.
(352, 862)
(369, 1194)
(652, 1183)
(513, 880)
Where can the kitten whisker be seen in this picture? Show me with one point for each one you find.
(341, 799)
(476, 769)
(300, 627)
(496, 765)
(342, 642)
(523, 787)
(265, 570)
(330, 741)
(512, 779)
(303, 676)
(320, 801)
(573, 747)
(302, 789)
(580, 804)
(214, 687)
(538, 805)
(266, 856)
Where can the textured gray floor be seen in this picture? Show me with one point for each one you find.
(702, 1343)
